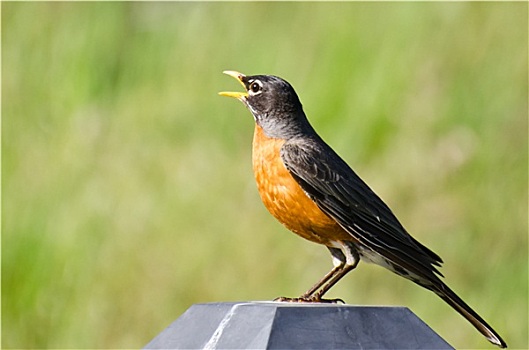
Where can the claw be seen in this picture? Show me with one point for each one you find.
(312, 299)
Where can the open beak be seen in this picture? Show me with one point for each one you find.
(239, 77)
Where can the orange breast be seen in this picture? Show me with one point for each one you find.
(285, 199)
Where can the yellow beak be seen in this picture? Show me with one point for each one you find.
(239, 77)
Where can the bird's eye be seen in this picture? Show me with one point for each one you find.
(255, 87)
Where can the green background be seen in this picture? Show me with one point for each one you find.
(127, 189)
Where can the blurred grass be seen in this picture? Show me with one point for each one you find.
(127, 185)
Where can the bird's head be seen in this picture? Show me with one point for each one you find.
(273, 103)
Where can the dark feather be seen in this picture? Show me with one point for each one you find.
(342, 195)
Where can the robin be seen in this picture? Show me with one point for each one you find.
(307, 187)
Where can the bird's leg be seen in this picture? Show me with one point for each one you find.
(352, 258)
(318, 296)
(339, 261)
(308, 297)
(335, 270)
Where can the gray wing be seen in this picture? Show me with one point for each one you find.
(342, 195)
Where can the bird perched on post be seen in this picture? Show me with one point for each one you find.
(307, 187)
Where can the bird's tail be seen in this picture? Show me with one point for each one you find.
(445, 293)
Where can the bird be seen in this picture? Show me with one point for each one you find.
(314, 193)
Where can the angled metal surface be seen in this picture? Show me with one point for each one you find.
(274, 325)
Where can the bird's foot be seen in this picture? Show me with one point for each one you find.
(309, 299)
